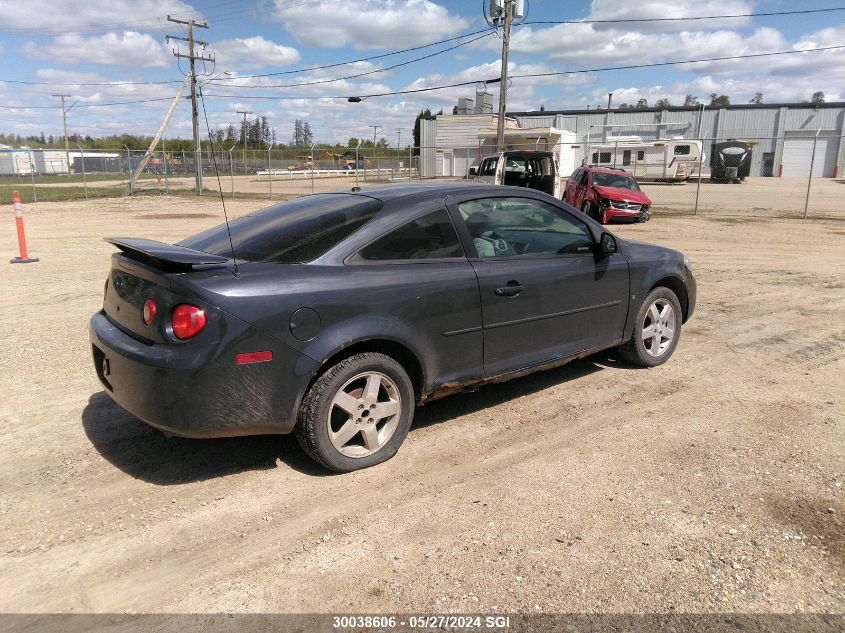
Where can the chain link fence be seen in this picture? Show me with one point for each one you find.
(794, 176)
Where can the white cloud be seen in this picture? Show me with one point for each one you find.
(368, 24)
(660, 9)
(128, 48)
(41, 16)
(252, 52)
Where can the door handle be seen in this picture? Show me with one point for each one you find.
(511, 290)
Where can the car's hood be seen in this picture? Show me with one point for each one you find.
(644, 251)
(620, 193)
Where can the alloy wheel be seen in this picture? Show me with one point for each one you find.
(364, 414)
(658, 328)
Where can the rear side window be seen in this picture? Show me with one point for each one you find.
(429, 237)
(297, 231)
(681, 150)
(488, 167)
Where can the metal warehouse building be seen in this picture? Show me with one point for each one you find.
(782, 135)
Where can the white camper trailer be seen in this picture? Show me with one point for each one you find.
(671, 160)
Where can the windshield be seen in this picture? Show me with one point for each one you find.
(292, 232)
(615, 180)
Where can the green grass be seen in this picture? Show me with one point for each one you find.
(57, 194)
(26, 181)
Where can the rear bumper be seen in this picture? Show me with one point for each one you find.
(201, 393)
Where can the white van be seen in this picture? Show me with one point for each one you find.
(531, 169)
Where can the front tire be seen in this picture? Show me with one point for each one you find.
(357, 413)
(657, 329)
(588, 210)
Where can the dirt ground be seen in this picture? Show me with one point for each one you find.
(710, 484)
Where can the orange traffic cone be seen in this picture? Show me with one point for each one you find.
(24, 258)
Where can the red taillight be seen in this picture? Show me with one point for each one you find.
(150, 309)
(187, 321)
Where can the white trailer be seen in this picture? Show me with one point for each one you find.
(671, 160)
(15, 162)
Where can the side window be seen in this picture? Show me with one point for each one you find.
(517, 165)
(604, 157)
(641, 154)
(582, 179)
(429, 237)
(595, 157)
(681, 150)
(488, 167)
(626, 157)
(523, 227)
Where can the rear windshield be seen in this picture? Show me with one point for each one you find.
(292, 232)
(615, 180)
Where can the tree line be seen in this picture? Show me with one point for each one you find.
(716, 100)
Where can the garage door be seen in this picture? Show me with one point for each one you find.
(798, 150)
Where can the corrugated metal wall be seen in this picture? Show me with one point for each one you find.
(428, 154)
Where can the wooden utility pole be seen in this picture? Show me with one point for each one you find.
(64, 122)
(503, 83)
(243, 136)
(375, 132)
(193, 57)
(398, 137)
(143, 162)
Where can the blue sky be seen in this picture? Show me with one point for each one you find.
(64, 44)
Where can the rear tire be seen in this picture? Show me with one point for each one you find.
(657, 329)
(357, 413)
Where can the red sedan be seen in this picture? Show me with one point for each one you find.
(606, 195)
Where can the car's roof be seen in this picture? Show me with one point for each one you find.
(386, 193)
(608, 170)
(521, 152)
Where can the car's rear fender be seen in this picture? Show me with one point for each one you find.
(380, 331)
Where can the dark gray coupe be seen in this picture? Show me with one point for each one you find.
(339, 313)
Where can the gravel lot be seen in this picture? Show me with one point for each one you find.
(710, 484)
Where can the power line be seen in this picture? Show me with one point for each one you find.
(356, 61)
(691, 18)
(369, 72)
(549, 74)
(91, 83)
(91, 105)
(411, 49)
(273, 74)
(453, 85)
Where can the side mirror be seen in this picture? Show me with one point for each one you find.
(606, 245)
(473, 171)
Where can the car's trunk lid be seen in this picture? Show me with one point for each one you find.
(145, 270)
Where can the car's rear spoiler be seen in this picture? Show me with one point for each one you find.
(166, 256)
